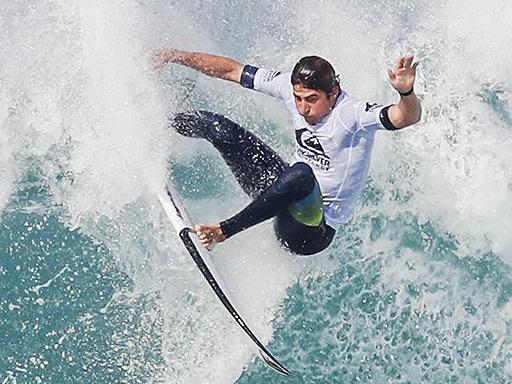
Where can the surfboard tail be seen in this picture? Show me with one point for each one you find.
(274, 364)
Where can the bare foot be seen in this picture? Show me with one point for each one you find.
(209, 235)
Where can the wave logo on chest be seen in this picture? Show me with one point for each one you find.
(309, 148)
(307, 140)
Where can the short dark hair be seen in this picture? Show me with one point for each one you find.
(315, 73)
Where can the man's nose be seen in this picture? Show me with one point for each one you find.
(304, 108)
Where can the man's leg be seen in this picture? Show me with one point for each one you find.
(255, 165)
(300, 238)
(296, 201)
(290, 193)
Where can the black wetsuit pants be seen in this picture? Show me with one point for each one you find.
(288, 193)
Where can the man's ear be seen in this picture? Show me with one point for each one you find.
(334, 92)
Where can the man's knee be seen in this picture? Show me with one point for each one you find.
(299, 179)
(303, 176)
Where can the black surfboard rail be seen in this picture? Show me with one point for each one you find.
(196, 256)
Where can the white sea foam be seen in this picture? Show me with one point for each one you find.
(459, 157)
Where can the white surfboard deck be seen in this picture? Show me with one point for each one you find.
(180, 220)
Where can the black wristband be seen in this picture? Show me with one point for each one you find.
(247, 78)
(409, 92)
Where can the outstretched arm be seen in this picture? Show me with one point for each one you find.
(408, 109)
(211, 65)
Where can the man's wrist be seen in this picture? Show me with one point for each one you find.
(407, 93)
(167, 55)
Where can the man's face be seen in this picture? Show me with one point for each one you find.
(313, 104)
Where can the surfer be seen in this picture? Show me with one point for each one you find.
(334, 135)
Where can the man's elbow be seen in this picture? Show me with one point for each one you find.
(417, 117)
(419, 114)
(409, 119)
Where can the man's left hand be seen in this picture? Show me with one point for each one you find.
(403, 76)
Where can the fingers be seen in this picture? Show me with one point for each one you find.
(205, 235)
(203, 232)
(403, 76)
(409, 63)
(406, 62)
(401, 62)
(158, 58)
(162, 56)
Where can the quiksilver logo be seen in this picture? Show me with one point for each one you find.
(308, 141)
(311, 149)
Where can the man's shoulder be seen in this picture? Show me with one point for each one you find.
(349, 111)
(271, 74)
(273, 82)
(357, 105)
(346, 105)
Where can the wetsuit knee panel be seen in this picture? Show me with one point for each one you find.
(299, 178)
(304, 175)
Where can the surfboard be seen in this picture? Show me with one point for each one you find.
(180, 220)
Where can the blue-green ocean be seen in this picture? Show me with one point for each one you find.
(96, 288)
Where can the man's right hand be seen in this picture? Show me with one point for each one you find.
(158, 58)
(162, 56)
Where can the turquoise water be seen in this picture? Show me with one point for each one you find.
(67, 314)
(94, 286)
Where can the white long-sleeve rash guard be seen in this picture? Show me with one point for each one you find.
(338, 148)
